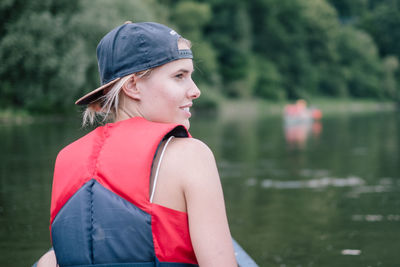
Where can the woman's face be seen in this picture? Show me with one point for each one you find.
(167, 94)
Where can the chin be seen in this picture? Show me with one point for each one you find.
(186, 124)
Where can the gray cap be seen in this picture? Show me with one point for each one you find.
(134, 47)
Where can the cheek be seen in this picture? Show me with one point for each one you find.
(170, 94)
(164, 94)
(162, 102)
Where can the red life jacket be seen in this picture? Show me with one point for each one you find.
(100, 208)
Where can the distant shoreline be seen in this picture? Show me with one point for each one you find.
(256, 107)
(228, 108)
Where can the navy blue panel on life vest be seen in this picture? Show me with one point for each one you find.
(139, 264)
(97, 226)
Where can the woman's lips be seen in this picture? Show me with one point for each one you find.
(186, 109)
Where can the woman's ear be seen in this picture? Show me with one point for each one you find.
(130, 88)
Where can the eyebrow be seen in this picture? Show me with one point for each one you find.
(184, 70)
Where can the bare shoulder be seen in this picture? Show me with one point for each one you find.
(191, 148)
(191, 154)
(190, 159)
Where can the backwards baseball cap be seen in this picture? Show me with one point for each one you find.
(133, 47)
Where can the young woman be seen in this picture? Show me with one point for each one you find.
(139, 190)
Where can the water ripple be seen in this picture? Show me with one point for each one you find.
(313, 183)
(375, 217)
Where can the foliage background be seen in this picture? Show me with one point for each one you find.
(270, 49)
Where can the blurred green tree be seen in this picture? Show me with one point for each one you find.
(269, 81)
(39, 55)
(361, 63)
(272, 49)
(47, 48)
(350, 10)
(299, 37)
(390, 83)
(230, 34)
(382, 23)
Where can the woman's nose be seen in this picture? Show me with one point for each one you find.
(194, 91)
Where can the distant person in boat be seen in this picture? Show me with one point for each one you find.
(139, 189)
(299, 111)
(299, 122)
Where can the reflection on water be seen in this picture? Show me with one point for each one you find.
(312, 183)
(301, 122)
(332, 201)
(27, 157)
(297, 133)
(375, 217)
(298, 198)
(353, 252)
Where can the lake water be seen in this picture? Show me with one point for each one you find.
(324, 194)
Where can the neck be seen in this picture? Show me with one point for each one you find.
(128, 108)
(124, 114)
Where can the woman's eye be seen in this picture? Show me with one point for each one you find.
(179, 76)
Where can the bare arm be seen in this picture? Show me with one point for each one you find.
(202, 189)
(48, 260)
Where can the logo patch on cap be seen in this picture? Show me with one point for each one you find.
(172, 32)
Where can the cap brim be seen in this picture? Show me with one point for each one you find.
(95, 94)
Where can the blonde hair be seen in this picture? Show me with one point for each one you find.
(106, 108)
